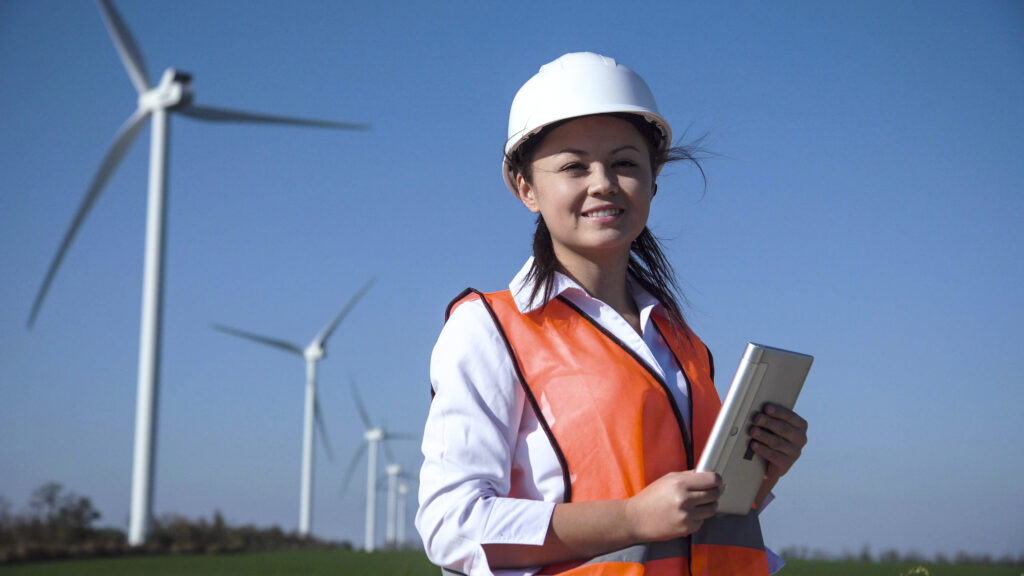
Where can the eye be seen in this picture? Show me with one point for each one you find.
(625, 163)
(573, 166)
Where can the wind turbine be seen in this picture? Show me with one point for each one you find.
(397, 490)
(373, 435)
(393, 470)
(313, 353)
(403, 490)
(173, 94)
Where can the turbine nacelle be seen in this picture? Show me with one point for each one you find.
(314, 352)
(374, 435)
(174, 91)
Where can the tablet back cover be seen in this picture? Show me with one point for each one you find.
(765, 375)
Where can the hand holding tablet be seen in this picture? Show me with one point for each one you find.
(765, 375)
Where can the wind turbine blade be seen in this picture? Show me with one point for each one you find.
(224, 115)
(287, 346)
(319, 418)
(127, 49)
(352, 466)
(401, 436)
(388, 454)
(122, 142)
(329, 329)
(362, 409)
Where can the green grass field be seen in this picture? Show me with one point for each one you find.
(839, 568)
(344, 563)
(311, 562)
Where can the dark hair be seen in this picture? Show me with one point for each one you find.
(647, 261)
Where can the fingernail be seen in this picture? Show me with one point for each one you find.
(770, 409)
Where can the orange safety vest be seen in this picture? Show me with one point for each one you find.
(615, 428)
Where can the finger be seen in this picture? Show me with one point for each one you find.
(785, 414)
(776, 442)
(695, 498)
(691, 525)
(694, 518)
(780, 428)
(705, 511)
(700, 480)
(782, 461)
(710, 496)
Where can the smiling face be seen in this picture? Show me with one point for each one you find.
(592, 182)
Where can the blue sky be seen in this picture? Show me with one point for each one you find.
(864, 204)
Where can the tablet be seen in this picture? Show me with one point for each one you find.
(765, 375)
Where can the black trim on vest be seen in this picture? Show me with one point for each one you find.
(689, 399)
(711, 363)
(447, 314)
(690, 456)
(456, 300)
(529, 395)
(687, 442)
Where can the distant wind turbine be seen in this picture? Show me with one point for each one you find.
(403, 491)
(313, 353)
(397, 489)
(373, 435)
(173, 94)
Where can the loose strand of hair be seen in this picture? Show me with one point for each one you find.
(652, 270)
(545, 263)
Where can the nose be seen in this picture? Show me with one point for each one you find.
(602, 180)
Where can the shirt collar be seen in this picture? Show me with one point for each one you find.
(522, 286)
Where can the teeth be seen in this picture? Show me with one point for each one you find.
(599, 213)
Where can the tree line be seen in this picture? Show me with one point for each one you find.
(59, 524)
(893, 556)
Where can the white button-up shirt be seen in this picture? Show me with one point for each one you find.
(482, 440)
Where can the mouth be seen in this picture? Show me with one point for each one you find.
(602, 212)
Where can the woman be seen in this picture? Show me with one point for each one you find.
(568, 410)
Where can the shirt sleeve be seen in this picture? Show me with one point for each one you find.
(775, 562)
(468, 446)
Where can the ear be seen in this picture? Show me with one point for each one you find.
(526, 195)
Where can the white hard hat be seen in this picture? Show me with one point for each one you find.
(578, 84)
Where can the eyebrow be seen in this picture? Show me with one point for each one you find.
(584, 153)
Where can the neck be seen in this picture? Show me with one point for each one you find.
(604, 280)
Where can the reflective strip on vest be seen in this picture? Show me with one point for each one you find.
(641, 553)
(731, 530)
(615, 428)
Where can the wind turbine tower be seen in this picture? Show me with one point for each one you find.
(173, 94)
(313, 353)
(403, 491)
(398, 488)
(373, 435)
(393, 471)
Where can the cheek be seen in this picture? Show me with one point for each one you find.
(643, 193)
(558, 195)
(642, 208)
